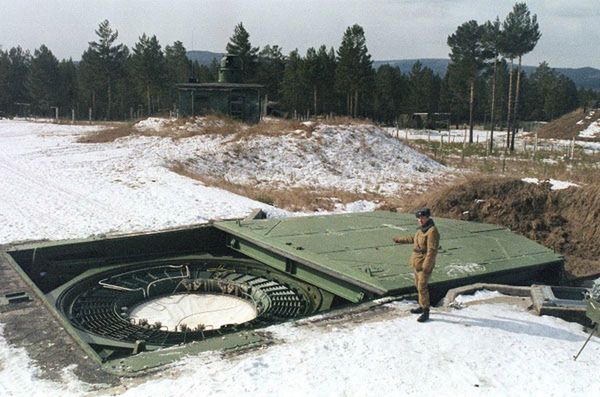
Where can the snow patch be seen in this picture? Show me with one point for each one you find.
(477, 296)
(356, 206)
(592, 131)
(357, 158)
(152, 124)
(53, 187)
(555, 184)
(19, 375)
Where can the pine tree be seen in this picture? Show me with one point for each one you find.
(105, 63)
(149, 71)
(44, 79)
(390, 88)
(354, 72)
(270, 69)
(455, 93)
(491, 41)
(553, 95)
(326, 84)
(178, 68)
(313, 73)
(295, 87)
(468, 53)
(20, 62)
(68, 88)
(424, 89)
(239, 44)
(5, 99)
(521, 36)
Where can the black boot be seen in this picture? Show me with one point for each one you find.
(417, 310)
(424, 317)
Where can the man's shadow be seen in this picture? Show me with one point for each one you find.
(511, 325)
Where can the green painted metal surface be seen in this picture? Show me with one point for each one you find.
(357, 250)
(333, 259)
(148, 361)
(241, 101)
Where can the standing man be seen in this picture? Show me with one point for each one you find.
(422, 260)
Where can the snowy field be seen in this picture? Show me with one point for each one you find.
(523, 141)
(593, 130)
(357, 158)
(53, 187)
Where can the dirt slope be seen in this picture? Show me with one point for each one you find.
(569, 126)
(564, 220)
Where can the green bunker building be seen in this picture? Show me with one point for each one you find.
(229, 96)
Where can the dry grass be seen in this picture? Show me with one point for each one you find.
(212, 125)
(583, 170)
(216, 124)
(110, 134)
(346, 120)
(566, 127)
(295, 198)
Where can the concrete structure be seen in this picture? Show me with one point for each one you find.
(229, 96)
(283, 268)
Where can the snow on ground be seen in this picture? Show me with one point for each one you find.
(592, 131)
(555, 184)
(53, 187)
(487, 350)
(477, 296)
(19, 376)
(152, 124)
(522, 140)
(452, 135)
(359, 158)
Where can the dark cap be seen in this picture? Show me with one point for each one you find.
(423, 212)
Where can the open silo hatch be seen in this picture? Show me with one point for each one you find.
(138, 301)
(161, 303)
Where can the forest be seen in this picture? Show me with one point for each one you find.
(482, 84)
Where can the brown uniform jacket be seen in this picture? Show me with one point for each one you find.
(425, 248)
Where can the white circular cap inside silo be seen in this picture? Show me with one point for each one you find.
(194, 311)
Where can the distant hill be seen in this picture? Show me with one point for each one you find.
(586, 77)
(204, 57)
(438, 65)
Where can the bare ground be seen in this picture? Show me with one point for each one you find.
(564, 220)
(566, 127)
(291, 198)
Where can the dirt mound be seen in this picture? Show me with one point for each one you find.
(564, 220)
(569, 126)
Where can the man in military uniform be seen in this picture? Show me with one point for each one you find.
(422, 260)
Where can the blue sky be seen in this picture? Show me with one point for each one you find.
(395, 29)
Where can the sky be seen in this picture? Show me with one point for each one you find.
(394, 29)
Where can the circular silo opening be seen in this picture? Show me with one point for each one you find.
(173, 301)
(181, 312)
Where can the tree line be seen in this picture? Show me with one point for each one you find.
(481, 85)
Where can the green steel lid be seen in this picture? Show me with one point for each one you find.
(357, 248)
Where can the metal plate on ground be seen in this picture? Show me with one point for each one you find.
(357, 249)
